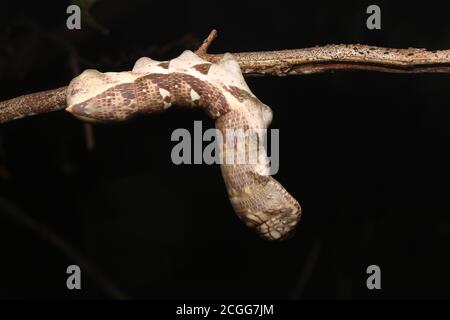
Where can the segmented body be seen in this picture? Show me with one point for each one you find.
(219, 89)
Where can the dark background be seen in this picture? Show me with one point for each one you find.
(366, 154)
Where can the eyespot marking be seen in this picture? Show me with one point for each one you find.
(164, 65)
(203, 68)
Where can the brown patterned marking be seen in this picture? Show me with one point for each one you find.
(164, 65)
(202, 68)
(74, 91)
(147, 94)
(211, 98)
(180, 84)
(114, 104)
(127, 91)
(238, 93)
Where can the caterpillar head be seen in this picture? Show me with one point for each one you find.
(280, 226)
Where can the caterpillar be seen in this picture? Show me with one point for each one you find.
(219, 89)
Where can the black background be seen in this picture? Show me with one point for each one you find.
(366, 154)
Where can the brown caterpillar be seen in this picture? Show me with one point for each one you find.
(219, 89)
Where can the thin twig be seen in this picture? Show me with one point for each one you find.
(274, 63)
(51, 237)
(202, 50)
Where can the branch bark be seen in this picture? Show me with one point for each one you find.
(31, 104)
(273, 63)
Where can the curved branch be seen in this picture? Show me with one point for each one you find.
(31, 104)
(273, 63)
(340, 57)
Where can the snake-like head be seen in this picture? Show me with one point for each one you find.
(94, 96)
(263, 204)
(281, 225)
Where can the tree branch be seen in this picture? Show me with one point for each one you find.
(274, 63)
(31, 104)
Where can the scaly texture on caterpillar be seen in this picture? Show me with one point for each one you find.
(219, 89)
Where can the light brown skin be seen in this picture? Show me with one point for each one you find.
(219, 89)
